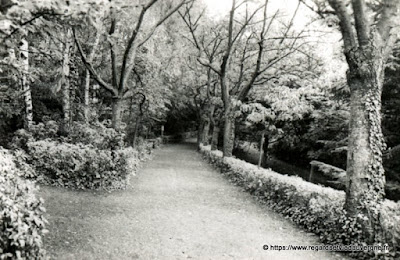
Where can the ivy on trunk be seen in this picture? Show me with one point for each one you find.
(367, 46)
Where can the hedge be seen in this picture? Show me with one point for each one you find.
(90, 157)
(317, 209)
(21, 214)
(81, 166)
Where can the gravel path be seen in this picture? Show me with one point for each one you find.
(178, 207)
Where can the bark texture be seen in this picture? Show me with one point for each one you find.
(229, 135)
(86, 97)
(136, 130)
(215, 135)
(367, 46)
(117, 113)
(66, 86)
(86, 92)
(366, 180)
(200, 133)
(206, 131)
(24, 58)
(263, 161)
(365, 187)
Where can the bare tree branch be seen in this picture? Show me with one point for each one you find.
(162, 20)
(128, 50)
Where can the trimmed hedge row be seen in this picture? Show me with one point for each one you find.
(317, 209)
(80, 166)
(21, 214)
(90, 157)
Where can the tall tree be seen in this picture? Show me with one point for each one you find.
(369, 31)
(121, 71)
(86, 91)
(246, 58)
(24, 59)
(65, 79)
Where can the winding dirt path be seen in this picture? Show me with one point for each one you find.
(178, 207)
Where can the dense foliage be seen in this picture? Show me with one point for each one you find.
(90, 157)
(81, 166)
(21, 214)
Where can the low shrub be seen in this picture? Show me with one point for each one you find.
(38, 131)
(22, 161)
(82, 166)
(97, 135)
(48, 129)
(315, 208)
(90, 157)
(21, 214)
(20, 139)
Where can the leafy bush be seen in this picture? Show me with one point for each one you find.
(38, 131)
(316, 208)
(90, 157)
(22, 161)
(21, 214)
(82, 166)
(48, 129)
(20, 139)
(97, 135)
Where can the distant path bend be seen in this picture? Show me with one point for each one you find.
(178, 207)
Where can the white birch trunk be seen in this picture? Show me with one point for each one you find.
(66, 80)
(24, 59)
(86, 108)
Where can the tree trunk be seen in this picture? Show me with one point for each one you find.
(365, 174)
(229, 134)
(86, 107)
(229, 119)
(86, 94)
(116, 113)
(136, 130)
(66, 87)
(66, 105)
(24, 57)
(261, 149)
(200, 133)
(211, 121)
(215, 135)
(206, 131)
(264, 143)
(264, 160)
(368, 44)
